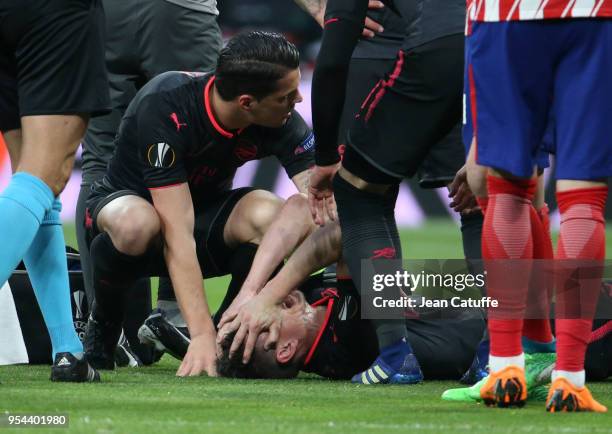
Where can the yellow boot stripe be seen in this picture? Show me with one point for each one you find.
(380, 372)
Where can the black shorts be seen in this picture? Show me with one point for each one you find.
(51, 59)
(409, 122)
(139, 47)
(210, 218)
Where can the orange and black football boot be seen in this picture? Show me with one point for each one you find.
(505, 388)
(564, 396)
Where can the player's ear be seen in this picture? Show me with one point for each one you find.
(286, 350)
(246, 102)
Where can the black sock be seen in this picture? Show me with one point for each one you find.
(166, 301)
(137, 307)
(239, 265)
(369, 229)
(113, 274)
(165, 291)
(471, 234)
(82, 243)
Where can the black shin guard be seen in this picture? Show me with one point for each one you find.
(368, 225)
(137, 307)
(471, 234)
(114, 273)
(82, 243)
(369, 230)
(165, 290)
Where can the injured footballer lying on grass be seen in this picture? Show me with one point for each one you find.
(323, 331)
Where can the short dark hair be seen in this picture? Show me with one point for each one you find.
(252, 63)
(260, 365)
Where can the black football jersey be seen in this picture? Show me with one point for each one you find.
(346, 344)
(169, 135)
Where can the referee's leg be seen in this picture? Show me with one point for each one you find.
(53, 119)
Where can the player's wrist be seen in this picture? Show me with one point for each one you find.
(272, 297)
(203, 329)
(327, 158)
(249, 290)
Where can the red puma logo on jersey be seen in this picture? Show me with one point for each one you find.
(178, 124)
(387, 252)
(330, 292)
(245, 151)
(200, 174)
(88, 219)
(341, 149)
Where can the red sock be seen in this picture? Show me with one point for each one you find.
(536, 325)
(542, 246)
(506, 234)
(582, 237)
(483, 202)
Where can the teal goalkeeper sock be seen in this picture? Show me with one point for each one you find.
(48, 272)
(531, 347)
(23, 205)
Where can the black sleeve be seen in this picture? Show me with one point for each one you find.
(161, 147)
(343, 26)
(293, 145)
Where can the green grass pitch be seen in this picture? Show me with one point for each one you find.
(152, 400)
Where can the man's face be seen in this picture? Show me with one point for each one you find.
(275, 109)
(284, 360)
(290, 343)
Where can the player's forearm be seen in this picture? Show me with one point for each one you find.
(316, 8)
(322, 248)
(302, 182)
(289, 229)
(186, 276)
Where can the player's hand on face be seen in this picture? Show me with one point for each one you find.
(463, 200)
(201, 357)
(256, 316)
(232, 311)
(321, 194)
(372, 27)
